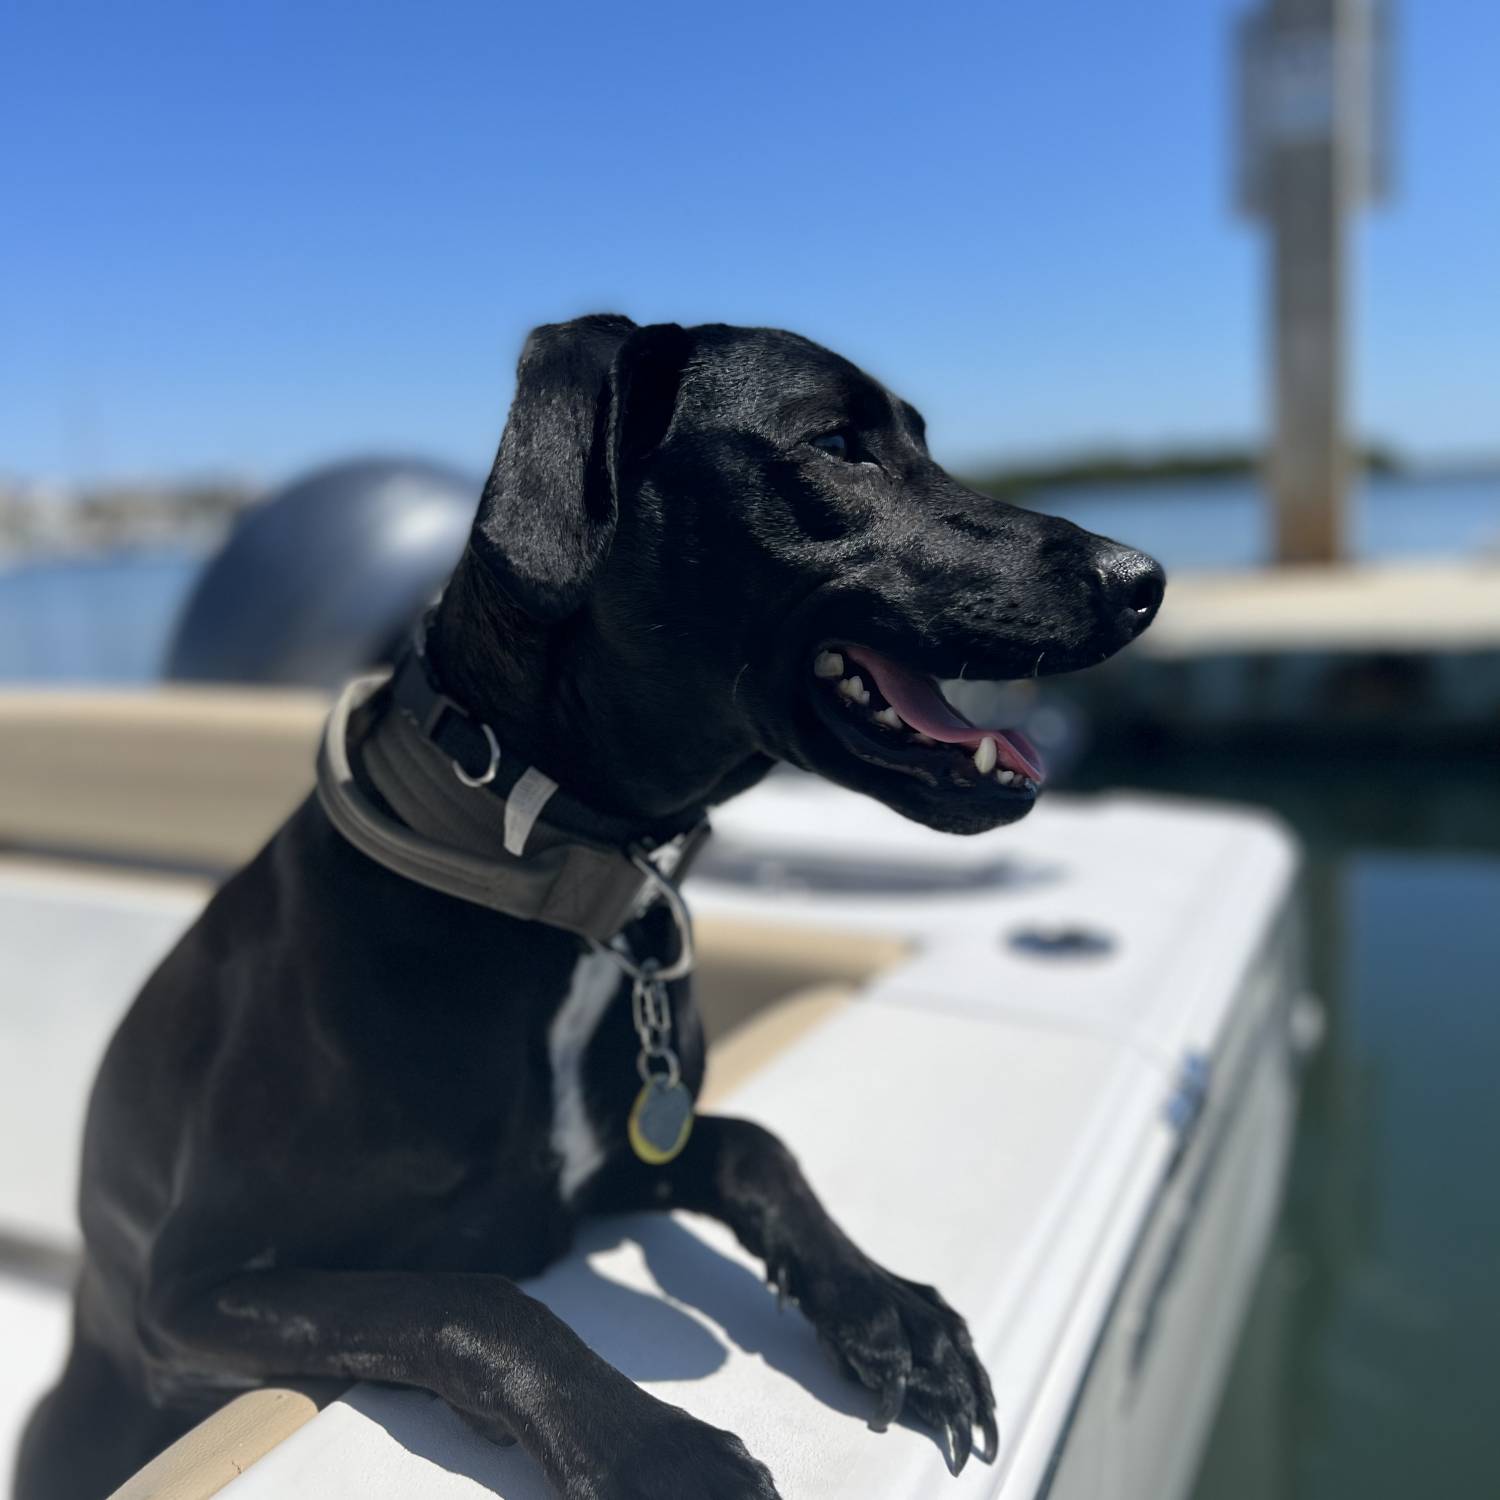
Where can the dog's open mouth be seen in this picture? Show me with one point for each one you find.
(896, 717)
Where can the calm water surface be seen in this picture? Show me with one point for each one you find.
(1225, 523)
(99, 620)
(1368, 1366)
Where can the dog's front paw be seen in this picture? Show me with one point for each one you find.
(663, 1452)
(903, 1341)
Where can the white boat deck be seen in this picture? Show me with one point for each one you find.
(991, 1115)
(72, 952)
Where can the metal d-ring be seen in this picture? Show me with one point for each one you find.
(682, 965)
(651, 969)
(488, 775)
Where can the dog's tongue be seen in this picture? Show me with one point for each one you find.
(915, 696)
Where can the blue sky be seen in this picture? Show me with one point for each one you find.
(251, 236)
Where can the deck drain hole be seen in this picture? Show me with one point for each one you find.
(1071, 940)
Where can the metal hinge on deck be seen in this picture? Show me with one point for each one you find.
(1184, 1112)
(1184, 1107)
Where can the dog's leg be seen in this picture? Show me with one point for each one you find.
(898, 1337)
(506, 1363)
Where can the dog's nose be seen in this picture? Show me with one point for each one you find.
(1133, 586)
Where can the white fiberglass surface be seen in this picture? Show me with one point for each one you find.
(1128, 916)
(36, 1321)
(73, 953)
(982, 1155)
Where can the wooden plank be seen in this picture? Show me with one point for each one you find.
(220, 1448)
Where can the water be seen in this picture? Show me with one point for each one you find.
(1226, 523)
(101, 620)
(1367, 1367)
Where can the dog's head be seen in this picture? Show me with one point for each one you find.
(729, 545)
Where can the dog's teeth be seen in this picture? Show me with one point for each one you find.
(986, 756)
(889, 717)
(854, 689)
(828, 664)
(922, 739)
(1005, 777)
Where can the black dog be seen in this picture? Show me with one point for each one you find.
(327, 1133)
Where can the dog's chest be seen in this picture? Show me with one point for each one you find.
(575, 1134)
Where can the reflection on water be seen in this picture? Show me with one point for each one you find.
(1367, 1366)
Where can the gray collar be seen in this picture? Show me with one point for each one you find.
(453, 834)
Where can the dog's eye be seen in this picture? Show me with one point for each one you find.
(834, 443)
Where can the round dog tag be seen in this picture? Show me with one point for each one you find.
(660, 1121)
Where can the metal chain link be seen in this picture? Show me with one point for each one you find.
(651, 1009)
(650, 1004)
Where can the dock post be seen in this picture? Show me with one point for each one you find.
(1309, 153)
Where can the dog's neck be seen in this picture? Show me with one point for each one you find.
(490, 658)
(517, 676)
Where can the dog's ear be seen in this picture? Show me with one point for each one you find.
(645, 380)
(593, 397)
(548, 510)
